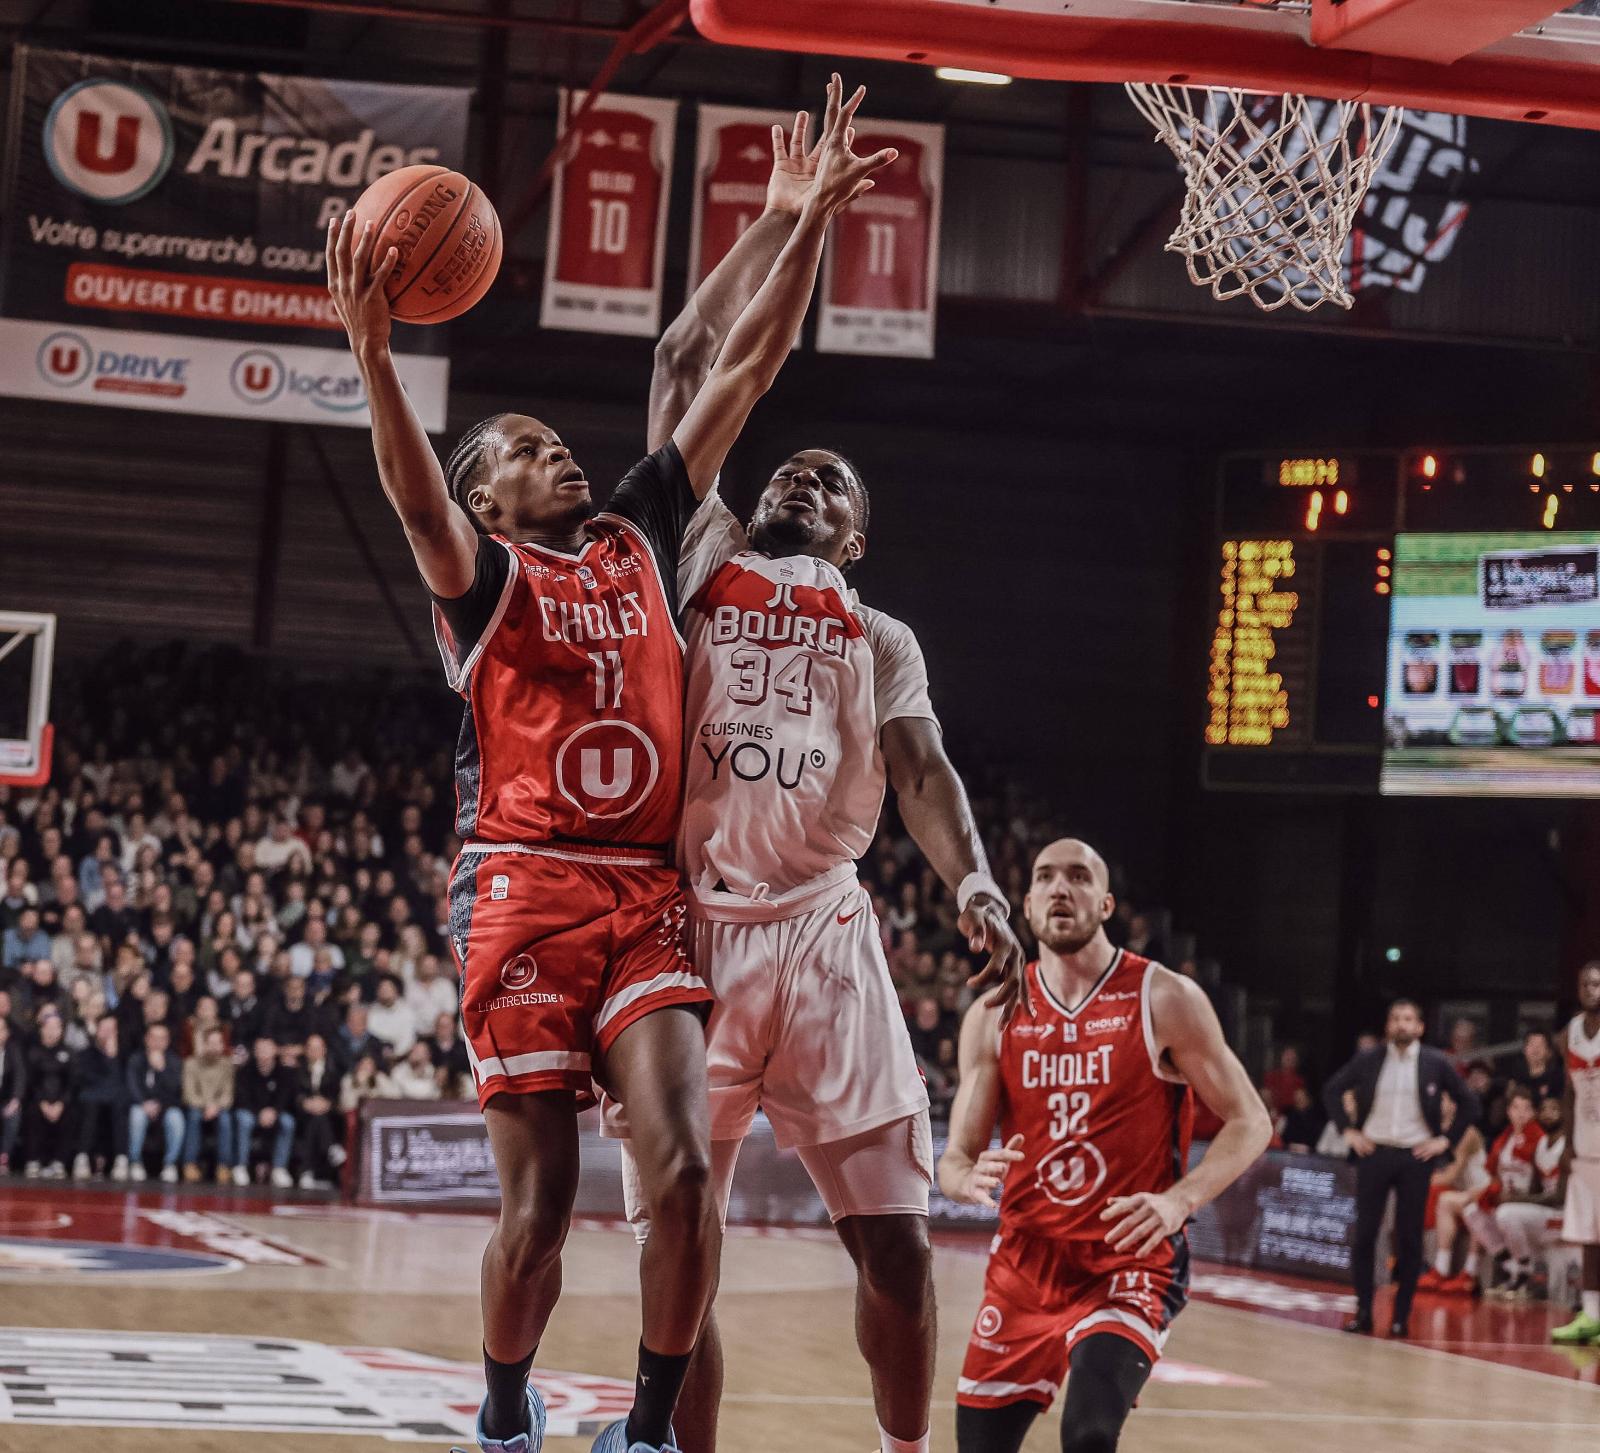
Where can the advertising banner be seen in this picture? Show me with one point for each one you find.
(881, 271)
(165, 226)
(608, 217)
(1494, 666)
(733, 159)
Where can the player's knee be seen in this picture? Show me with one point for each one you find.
(532, 1233)
(1089, 1437)
(896, 1260)
(680, 1194)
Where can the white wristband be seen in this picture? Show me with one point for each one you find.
(974, 884)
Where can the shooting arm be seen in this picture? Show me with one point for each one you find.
(690, 345)
(1189, 1033)
(933, 804)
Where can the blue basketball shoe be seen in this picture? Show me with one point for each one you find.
(529, 1442)
(615, 1440)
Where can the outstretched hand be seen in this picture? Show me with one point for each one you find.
(356, 285)
(794, 166)
(987, 929)
(841, 175)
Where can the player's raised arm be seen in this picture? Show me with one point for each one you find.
(695, 337)
(760, 341)
(970, 1170)
(441, 536)
(1190, 1037)
(933, 805)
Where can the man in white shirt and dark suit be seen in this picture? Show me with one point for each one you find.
(1401, 1130)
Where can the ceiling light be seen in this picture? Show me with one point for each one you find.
(976, 78)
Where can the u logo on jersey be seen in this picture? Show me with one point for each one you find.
(1072, 1172)
(607, 769)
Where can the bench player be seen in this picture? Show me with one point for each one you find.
(1090, 1085)
(800, 702)
(1579, 1044)
(557, 627)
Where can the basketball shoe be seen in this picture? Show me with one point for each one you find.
(1581, 1331)
(529, 1442)
(615, 1440)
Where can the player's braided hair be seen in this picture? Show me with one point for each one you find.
(466, 459)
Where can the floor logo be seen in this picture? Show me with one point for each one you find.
(203, 1383)
(108, 140)
(30, 1256)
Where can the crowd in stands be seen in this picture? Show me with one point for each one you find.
(220, 924)
(1495, 1209)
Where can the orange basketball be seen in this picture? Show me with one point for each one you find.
(448, 235)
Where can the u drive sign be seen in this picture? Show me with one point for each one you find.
(164, 231)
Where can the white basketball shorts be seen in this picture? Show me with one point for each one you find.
(1581, 1221)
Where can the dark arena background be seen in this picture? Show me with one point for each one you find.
(1263, 604)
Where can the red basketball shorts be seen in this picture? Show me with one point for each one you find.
(560, 950)
(1040, 1297)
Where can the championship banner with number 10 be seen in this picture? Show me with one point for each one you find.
(733, 159)
(608, 216)
(881, 272)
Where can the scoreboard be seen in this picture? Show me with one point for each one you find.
(1302, 579)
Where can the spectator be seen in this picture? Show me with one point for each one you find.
(430, 994)
(317, 1116)
(114, 920)
(415, 1077)
(1282, 1081)
(449, 1053)
(13, 1092)
(1491, 1116)
(208, 1101)
(1540, 1072)
(24, 940)
(1463, 1044)
(365, 1081)
(263, 1099)
(927, 1029)
(102, 1106)
(47, 1123)
(303, 956)
(246, 1014)
(390, 1021)
(356, 1039)
(155, 1095)
(1300, 1127)
(289, 1020)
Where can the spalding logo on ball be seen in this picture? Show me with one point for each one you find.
(448, 235)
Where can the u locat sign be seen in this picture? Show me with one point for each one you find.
(608, 215)
(164, 229)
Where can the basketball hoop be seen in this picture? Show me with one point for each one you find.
(1274, 185)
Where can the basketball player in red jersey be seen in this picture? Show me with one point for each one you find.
(1090, 1085)
(801, 705)
(557, 627)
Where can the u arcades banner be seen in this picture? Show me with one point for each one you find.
(164, 234)
(608, 216)
(881, 271)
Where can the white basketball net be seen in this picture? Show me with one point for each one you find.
(1274, 187)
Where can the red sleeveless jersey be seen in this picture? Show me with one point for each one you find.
(574, 692)
(1098, 1116)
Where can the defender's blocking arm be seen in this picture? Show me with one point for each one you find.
(441, 536)
(693, 340)
(760, 340)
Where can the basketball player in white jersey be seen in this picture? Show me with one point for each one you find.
(800, 703)
(1579, 1045)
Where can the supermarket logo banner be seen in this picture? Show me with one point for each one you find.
(189, 207)
(1518, 580)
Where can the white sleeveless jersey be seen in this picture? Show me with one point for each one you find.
(1583, 1069)
(788, 681)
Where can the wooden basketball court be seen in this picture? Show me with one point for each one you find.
(277, 1307)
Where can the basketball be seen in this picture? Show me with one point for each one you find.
(448, 234)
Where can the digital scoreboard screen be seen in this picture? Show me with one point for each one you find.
(1494, 666)
(1261, 648)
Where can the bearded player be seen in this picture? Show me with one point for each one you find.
(801, 702)
(1090, 1084)
(1579, 1045)
(557, 627)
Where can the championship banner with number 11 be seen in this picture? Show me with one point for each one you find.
(881, 272)
(608, 216)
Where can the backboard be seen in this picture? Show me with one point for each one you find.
(1517, 60)
(27, 655)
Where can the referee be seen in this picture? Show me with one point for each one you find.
(1398, 1137)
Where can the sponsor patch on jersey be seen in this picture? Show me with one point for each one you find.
(200, 1383)
(1074, 1171)
(499, 886)
(519, 972)
(1108, 1024)
(989, 1321)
